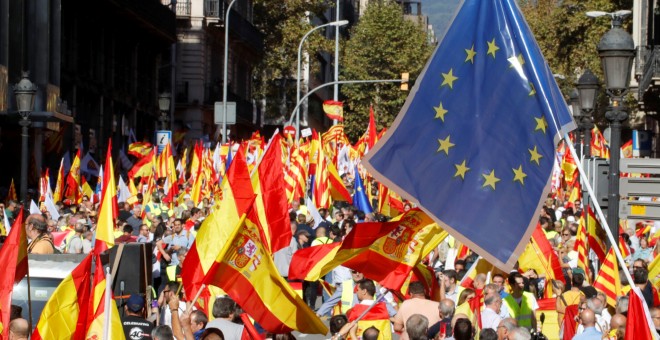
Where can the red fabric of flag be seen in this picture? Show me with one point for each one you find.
(13, 256)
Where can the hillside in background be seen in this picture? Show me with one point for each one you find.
(440, 12)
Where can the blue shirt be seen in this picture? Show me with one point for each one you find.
(185, 240)
(590, 333)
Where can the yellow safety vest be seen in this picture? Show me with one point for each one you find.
(522, 313)
(346, 297)
(171, 273)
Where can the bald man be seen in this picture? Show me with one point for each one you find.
(588, 320)
(18, 329)
(618, 325)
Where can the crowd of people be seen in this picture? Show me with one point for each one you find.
(354, 306)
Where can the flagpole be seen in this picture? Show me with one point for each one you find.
(603, 220)
(380, 299)
(199, 292)
(108, 298)
(29, 294)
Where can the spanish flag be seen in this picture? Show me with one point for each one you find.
(218, 227)
(13, 256)
(271, 204)
(11, 195)
(73, 181)
(540, 256)
(607, 280)
(140, 149)
(108, 208)
(306, 263)
(65, 314)
(334, 110)
(144, 167)
(244, 269)
(639, 325)
(58, 194)
(96, 319)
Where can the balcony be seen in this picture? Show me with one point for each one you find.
(648, 73)
(214, 9)
(183, 9)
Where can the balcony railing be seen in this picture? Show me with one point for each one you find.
(183, 8)
(650, 60)
(214, 8)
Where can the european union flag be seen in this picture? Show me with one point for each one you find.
(360, 198)
(474, 143)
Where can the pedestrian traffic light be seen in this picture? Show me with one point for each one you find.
(405, 77)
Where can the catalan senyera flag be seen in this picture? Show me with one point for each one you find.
(271, 204)
(607, 280)
(13, 256)
(397, 248)
(140, 149)
(540, 256)
(582, 250)
(11, 195)
(296, 177)
(65, 314)
(595, 234)
(58, 194)
(328, 186)
(487, 87)
(334, 110)
(599, 146)
(217, 228)
(97, 312)
(244, 269)
(73, 181)
(108, 208)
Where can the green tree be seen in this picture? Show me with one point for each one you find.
(569, 39)
(283, 23)
(382, 46)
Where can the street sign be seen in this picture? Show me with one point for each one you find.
(640, 166)
(304, 133)
(163, 137)
(639, 186)
(639, 210)
(290, 130)
(219, 116)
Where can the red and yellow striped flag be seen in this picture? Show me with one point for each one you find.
(596, 234)
(65, 314)
(108, 210)
(582, 250)
(11, 195)
(540, 256)
(140, 149)
(607, 280)
(58, 194)
(623, 247)
(72, 191)
(13, 256)
(334, 110)
(244, 269)
(96, 319)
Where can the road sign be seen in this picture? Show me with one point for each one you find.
(290, 130)
(218, 114)
(304, 133)
(163, 137)
(640, 165)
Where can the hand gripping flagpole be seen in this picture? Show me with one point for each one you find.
(603, 220)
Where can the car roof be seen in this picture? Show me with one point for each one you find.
(53, 266)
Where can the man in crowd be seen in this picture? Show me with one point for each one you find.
(448, 285)
(446, 313)
(490, 316)
(135, 325)
(416, 327)
(588, 321)
(135, 220)
(37, 231)
(417, 304)
(180, 238)
(19, 329)
(75, 244)
(224, 310)
(521, 304)
(505, 327)
(377, 316)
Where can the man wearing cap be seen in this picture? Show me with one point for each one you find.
(135, 326)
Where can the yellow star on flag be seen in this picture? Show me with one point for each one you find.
(492, 48)
(533, 90)
(440, 112)
(470, 54)
(461, 169)
(449, 79)
(519, 175)
(541, 124)
(521, 61)
(445, 144)
(490, 179)
(535, 156)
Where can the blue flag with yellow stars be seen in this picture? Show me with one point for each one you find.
(360, 197)
(473, 145)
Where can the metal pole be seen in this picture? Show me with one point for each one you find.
(225, 71)
(588, 125)
(293, 113)
(616, 115)
(24, 123)
(300, 45)
(336, 92)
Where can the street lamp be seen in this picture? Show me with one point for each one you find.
(617, 51)
(225, 72)
(25, 92)
(333, 23)
(587, 87)
(164, 101)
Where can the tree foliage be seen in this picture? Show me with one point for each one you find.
(569, 39)
(283, 24)
(382, 45)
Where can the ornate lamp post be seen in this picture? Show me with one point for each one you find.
(25, 92)
(574, 102)
(587, 87)
(164, 100)
(617, 51)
